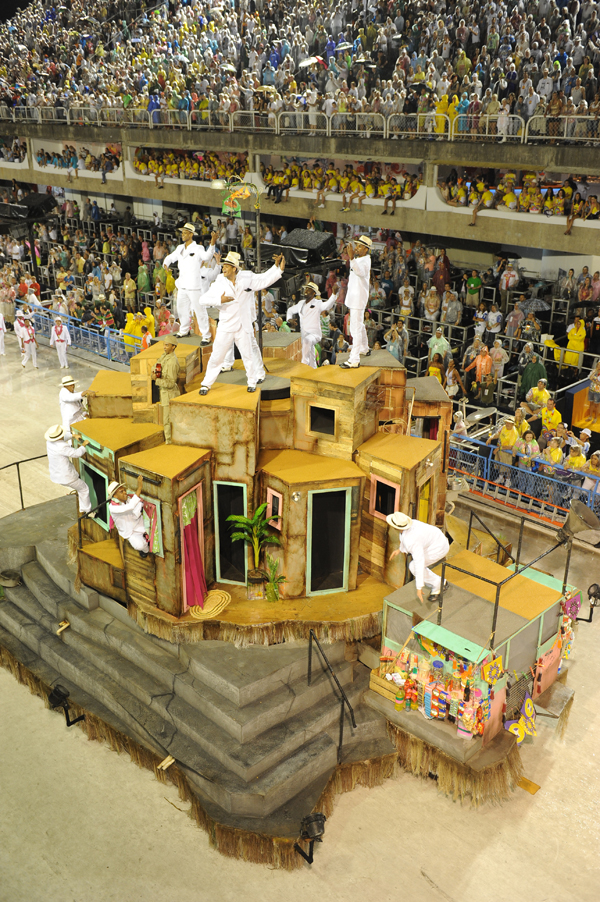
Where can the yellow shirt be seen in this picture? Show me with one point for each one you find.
(508, 437)
(550, 419)
(575, 462)
(539, 396)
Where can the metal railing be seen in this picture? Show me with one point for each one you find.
(431, 125)
(537, 487)
(108, 343)
(570, 129)
(344, 697)
(17, 464)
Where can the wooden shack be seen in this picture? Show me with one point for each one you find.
(431, 418)
(402, 474)
(318, 501)
(332, 414)
(145, 392)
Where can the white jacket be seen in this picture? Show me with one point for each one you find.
(128, 516)
(63, 337)
(62, 471)
(241, 312)
(71, 407)
(357, 295)
(189, 260)
(427, 545)
(310, 313)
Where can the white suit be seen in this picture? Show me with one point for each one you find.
(236, 320)
(61, 341)
(129, 520)
(208, 274)
(189, 282)
(310, 324)
(357, 297)
(2, 331)
(427, 545)
(26, 335)
(71, 407)
(62, 471)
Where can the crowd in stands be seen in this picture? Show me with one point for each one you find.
(13, 150)
(185, 164)
(74, 161)
(387, 182)
(416, 62)
(529, 193)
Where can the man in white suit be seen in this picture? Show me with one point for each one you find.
(428, 546)
(357, 298)
(309, 309)
(189, 257)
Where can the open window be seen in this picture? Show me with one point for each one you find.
(97, 483)
(322, 421)
(274, 508)
(385, 497)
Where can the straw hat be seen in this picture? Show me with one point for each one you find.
(366, 241)
(188, 227)
(399, 520)
(54, 434)
(171, 339)
(113, 488)
(233, 258)
(67, 380)
(313, 287)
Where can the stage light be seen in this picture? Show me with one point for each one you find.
(312, 828)
(580, 518)
(58, 698)
(594, 600)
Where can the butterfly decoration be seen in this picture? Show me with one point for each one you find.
(493, 671)
(572, 606)
(525, 725)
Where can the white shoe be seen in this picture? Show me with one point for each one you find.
(226, 369)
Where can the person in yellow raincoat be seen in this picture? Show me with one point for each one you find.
(129, 336)
(149, 322)
(441, 111)
(576, 335)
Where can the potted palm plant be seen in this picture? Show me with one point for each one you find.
(255, 532)
(275, 578)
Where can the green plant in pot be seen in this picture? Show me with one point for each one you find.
(256, 532)
(275, 578)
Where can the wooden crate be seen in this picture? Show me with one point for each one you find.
(382, 686)
(113, 395)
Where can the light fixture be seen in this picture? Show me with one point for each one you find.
(312, 829)
(218, 184)
(58, 698)
(296, 496)
(594, 600)
(580, 518)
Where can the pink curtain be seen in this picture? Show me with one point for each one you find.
(195, 580)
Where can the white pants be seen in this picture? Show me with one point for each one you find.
(260, 367)
(223, 348)
(187, 300)
(201, 312)
(61, 350)
(139, 541)
(308, 348)
(30, 351)
(434, 582)
(83, 493)
(360, 343)
(2, 343)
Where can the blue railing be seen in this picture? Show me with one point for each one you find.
(526, 487)
(108, 343)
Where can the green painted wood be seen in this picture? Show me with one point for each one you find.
(441, 636)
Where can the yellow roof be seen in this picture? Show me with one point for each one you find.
(157, 348)
(405, 451)
(336, 376)
(521, 595)
(167, 460)
(222, 394)
(107, 382)
(115, 433)
(299, 467)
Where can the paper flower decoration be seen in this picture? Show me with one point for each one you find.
(573, 605)
(525, 725)
(493, 671)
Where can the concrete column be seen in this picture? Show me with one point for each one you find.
(430, 174)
